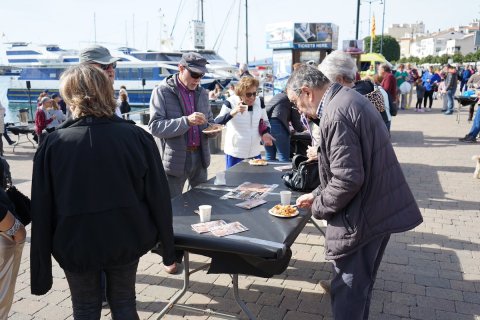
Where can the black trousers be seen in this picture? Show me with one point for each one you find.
(355, 274)
(86, 292)
(429, 95)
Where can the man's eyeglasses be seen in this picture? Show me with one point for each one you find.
(250, 94)
(298, 92)
(195, 75)
(107, 66)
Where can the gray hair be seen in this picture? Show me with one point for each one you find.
(338, 64)
(243, 67)
(386, 67)
(307, 76)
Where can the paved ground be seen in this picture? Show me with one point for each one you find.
(432, 272)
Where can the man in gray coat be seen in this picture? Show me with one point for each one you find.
(363, 193)
(179, 111)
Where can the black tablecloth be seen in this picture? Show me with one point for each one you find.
(21, 129)
(465, 101)
(263, 250)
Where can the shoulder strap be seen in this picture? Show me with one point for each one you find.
(262, 102)
(227, 104)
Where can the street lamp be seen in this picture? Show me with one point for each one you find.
(383, 24)
(369, 14)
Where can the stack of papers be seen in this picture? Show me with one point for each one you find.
(249, 191)
(219, 228)
(287, 167)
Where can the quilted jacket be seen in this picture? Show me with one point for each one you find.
(169, 125)
(363, 192)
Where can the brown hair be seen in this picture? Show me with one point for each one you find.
(88, 91)
(244, 84)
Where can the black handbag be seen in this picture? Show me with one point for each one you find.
(21, 203)
(304, 176)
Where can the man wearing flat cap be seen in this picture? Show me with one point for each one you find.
(179, 111)
(100, 57)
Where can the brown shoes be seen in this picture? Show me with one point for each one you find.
(171, 269)
(326, 285)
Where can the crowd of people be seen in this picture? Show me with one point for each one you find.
(110, 203)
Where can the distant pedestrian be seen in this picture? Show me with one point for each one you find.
(124, 106)
(420, 94)
(58, 99)
(412, 78)
(41, 118)
(243, 71)
(56, 114)
(401, 77)
(450, 87)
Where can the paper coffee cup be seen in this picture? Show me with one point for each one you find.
(285, 197)
(220, 178)
(205, 212)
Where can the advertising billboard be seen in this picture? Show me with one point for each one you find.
(353, 46)
(282, 68)
(279, 35)
(315, 36)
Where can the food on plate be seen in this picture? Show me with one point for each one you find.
(281, 210)
(258, 162)
(213, 128)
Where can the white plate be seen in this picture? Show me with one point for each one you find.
(251, 162)
(218, 128)
(282, 216)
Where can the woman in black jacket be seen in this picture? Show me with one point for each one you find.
(100, 200)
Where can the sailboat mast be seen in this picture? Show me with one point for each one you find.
(238, 30)
(94, 28)
(246, 31)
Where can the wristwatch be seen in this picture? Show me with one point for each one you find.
(16, 225)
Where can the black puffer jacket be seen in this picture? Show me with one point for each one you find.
(100, 198)
(363, 192)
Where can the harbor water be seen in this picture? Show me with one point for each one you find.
(12, 109)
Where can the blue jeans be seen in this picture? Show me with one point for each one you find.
(450, 94)
(281, 145)
(86, 292)
(475, 130)
(231, 160)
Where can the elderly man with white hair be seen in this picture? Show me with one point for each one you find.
(339, 67)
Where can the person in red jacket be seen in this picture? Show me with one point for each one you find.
(41, 121)
(389, 83)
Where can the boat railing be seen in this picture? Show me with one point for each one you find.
(140, 116)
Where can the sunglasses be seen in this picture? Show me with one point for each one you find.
(195, 75)
(250, 94)
(106, 66)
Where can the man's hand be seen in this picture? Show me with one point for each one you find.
(312, 153)
(196, 119)
(305, 201)
(268, 139)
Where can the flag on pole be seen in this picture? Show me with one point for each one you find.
(372, 32)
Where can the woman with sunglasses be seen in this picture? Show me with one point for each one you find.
(246, 121)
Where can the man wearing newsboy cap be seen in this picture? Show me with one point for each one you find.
(179, 111)
(100, 57)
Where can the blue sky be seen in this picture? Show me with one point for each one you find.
(71, 23)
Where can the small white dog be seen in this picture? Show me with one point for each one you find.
(476, 174)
